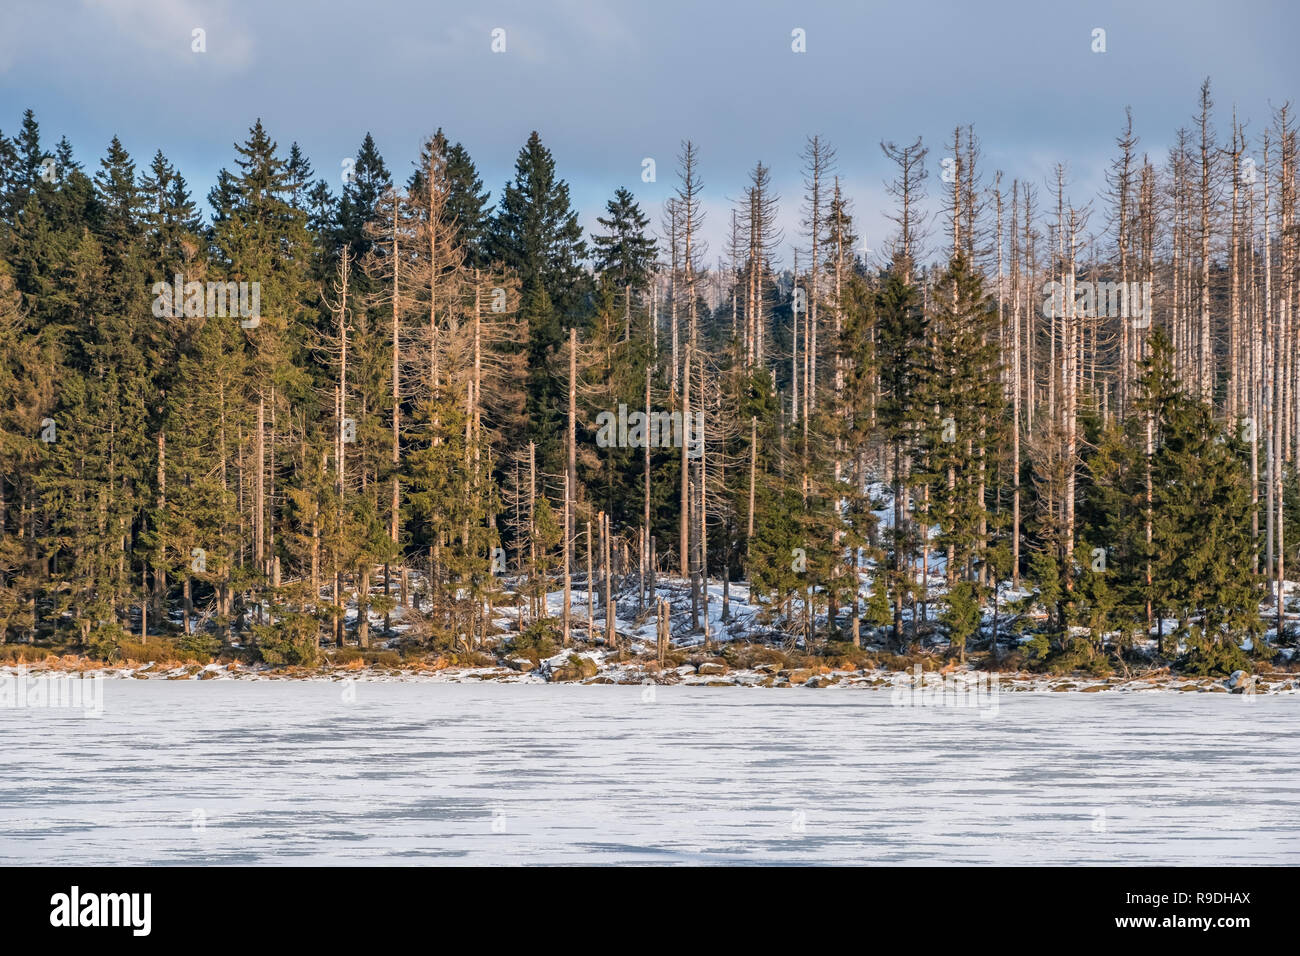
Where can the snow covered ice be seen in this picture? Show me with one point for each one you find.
(229, 772)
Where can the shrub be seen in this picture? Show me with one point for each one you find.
(961, 616)
(1079, 654)
(424, 631)
(25, 653)
(105, 640)
(1206, 658)
(743, 656)
(536, 641)
(471, 659)
(1008, 659)
(842, 655)
(906, 662)
(200, 646)
(290, 640)
(1036, 649)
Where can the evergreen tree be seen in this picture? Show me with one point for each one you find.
(900, 351)
(27, 373)
(536, 233)
(625, 252)
(467, 206)
(962, 438)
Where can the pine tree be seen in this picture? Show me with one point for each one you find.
(964, 388)
(900, 343)
(27, 362)
(260, 237)
(962, 615)
(536, 234)
(467, 206)
(625, 252)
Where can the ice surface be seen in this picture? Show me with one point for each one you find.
(292, 772)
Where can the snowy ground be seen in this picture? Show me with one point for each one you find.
(294, 772)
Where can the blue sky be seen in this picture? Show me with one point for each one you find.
(609, 84)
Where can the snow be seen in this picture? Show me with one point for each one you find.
(230, 771)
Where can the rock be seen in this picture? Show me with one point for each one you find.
(708, 667)
(1240, 682)
(521, 664)
(575, 668)
(799, 676)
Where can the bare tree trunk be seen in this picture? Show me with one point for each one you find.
(684, 521)
(396, 502)
(647, 570)
(568, 577)
(1015, 390)
(704, 531)
(571, 472)
(591, 589)
(534, 599)
(611, 633)
(1206, 377)
(753, 473)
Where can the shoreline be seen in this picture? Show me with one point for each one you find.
(949, 681)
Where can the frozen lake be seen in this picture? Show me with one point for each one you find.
(233, 772)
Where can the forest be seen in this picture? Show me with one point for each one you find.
(1058, 430)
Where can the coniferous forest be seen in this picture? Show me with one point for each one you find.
(410, 410)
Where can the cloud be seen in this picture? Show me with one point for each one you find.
(164, 29)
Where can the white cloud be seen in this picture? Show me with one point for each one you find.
(165, 28)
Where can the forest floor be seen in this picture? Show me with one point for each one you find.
(742, 651)
(941, 687)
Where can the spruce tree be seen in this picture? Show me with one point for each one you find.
(625, 253)
(900, 343)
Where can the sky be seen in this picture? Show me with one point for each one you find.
(609, 85)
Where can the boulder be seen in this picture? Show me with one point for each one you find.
(1241, 683)
(575, 668)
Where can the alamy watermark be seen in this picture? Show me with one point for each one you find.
(946, 690)
(20, 690)
(1091, 300)
(75, 908)
(657, 430)
(213, 299)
